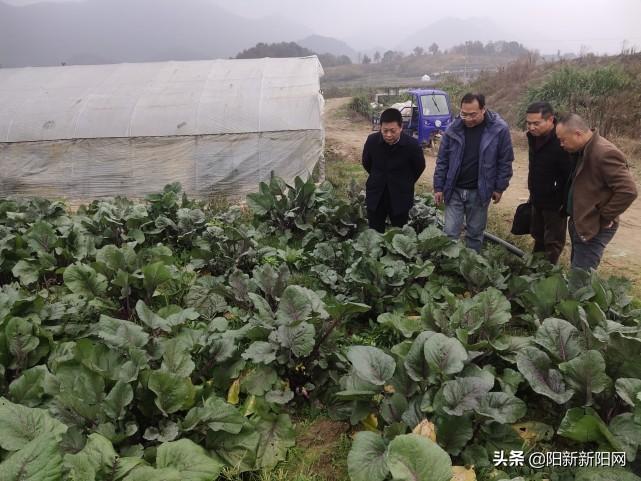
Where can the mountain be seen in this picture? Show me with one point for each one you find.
(454, 31)
(98, 31)
(320, 44)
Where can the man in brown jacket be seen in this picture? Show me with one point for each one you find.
(601, 189)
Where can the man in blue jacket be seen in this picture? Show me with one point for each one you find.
(474, 166)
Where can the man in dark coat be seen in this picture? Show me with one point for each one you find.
(550, 168)
(394, 162)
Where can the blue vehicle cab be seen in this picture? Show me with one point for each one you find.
(425, 116)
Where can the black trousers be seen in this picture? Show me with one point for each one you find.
(548, 227)
(377, 218)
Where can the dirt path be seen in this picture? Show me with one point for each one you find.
(622, 256)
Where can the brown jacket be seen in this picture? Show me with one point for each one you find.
(603, 187)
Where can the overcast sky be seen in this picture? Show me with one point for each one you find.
(547, 25)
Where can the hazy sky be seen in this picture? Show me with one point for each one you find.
(547, 25)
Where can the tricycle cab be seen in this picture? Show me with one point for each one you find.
(431, 115)
(425, 116)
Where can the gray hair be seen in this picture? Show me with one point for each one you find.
(574, 122)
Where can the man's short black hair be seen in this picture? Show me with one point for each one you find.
(543, 108)
(392, 115)
(469, 97)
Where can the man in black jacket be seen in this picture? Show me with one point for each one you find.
(550, 168)
(394, 162)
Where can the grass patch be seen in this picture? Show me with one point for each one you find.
(320, 454)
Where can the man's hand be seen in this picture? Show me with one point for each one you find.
(438, 197)
(496, 196)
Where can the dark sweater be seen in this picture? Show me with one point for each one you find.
(468, 177)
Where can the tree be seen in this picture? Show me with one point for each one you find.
(434, 48)
(418, 51)
(366, 60)
(377, 57)
(391, 56)
(275, 50)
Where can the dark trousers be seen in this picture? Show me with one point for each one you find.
(548, 228)
(587, 255)
(377, 218)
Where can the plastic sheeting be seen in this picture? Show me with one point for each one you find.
(218, 127)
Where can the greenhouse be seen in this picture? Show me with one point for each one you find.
(219, 127)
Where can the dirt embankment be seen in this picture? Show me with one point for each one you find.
(346, 136)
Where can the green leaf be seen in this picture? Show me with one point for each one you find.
(510, 380)
(586, 374)
(280, 396)
(299, 339)
(147, 473)
(492, 308)
(121, 333)
(629, 390)
(173, 392)
(371, 364)
(19, 337)
(392, 408)
(605, 474)
(546, 294)
(28, 389)
(463, 395)
(190, 460)
(80, 390)
(38, 460)
(117, 400)
(366, 458)
(150, 318)
(165, 432)
(217, 415)
(297, 304)
(20, 425)
(628, 432)
(415, 362)
(369, 243)
(404, 324)
(560, 338)
(502, 407)
(115, 258)
(260, 352)
(414, 458)
(276, 437)
(81, 279)
(454, 432)
(259, 381)
(585, 426)
(176, 358)
(536, 367)
(110, 363)
(27, 272)
(41, 237)
(404, 246)
(444, 354)
(97, 456)
(154, 275)
(204, 296)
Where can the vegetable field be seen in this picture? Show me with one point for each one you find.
(168, 340)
